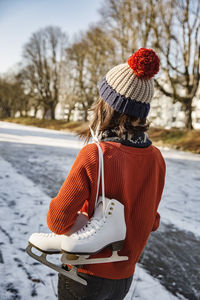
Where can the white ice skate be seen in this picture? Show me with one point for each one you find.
(50, 242)
(102, 230)
(46, 242)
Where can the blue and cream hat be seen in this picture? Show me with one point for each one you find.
(129, 88)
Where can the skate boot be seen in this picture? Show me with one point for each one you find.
(46, 242)
(50, 242)
(106, 227)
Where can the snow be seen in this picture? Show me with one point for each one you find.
(23, 210)
(24, 206)
(181, 197)
(145, 287)
(37, 136)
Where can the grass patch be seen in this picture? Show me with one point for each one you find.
(182, 139)
(49, 124)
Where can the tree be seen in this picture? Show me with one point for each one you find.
(6, 98)
(129, 24)
(91, 57)
(101, 56)
(77, 55)
(12, 97)
(44, 57)
(175, 35)
(177, 38)
(68, 96)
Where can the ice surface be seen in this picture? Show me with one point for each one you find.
(145, 287)
(181, 197)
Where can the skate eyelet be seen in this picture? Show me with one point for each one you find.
(110, 213)
(111, 208)
(112, 203)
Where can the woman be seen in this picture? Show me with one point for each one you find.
(134, 175)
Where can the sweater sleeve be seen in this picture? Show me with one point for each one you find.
(73, 193)
(156, 222)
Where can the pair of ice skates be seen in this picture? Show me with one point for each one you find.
(86, 237)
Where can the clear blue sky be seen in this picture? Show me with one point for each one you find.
(20, 18)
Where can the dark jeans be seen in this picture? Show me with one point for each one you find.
(97, 288)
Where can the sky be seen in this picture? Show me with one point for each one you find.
(20, 18)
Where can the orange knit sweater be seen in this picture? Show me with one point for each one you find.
(133, 176)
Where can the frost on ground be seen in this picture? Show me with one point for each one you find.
(27, 153)
(181, 198)
(23, 210)
(145, 287)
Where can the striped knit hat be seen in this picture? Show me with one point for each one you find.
(128, 88)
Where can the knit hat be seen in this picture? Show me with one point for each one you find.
(128, 88)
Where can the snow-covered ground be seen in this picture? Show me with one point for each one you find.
(29, 159)
(181, 197)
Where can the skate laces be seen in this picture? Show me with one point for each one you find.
(89, 229)
(48, 235)
(96, 134)
(100, 170)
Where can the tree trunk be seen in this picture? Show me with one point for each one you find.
(26, 112)
(35, 111)
(52, 114)
(13, 112)
(188, 114)
(44, 113)
(69, 115)
(7, 112)
(85, 114)
(52, 110)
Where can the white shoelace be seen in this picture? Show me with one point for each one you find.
(89, 229)
(101, 168)
(48, 235)
(94, 224)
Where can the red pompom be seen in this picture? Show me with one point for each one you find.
(145, 63)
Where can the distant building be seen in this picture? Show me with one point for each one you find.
(165, 113)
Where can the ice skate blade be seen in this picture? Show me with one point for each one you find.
(72, 273)
(45, 251)
(85, 260)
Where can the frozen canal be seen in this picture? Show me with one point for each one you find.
(34, 163)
